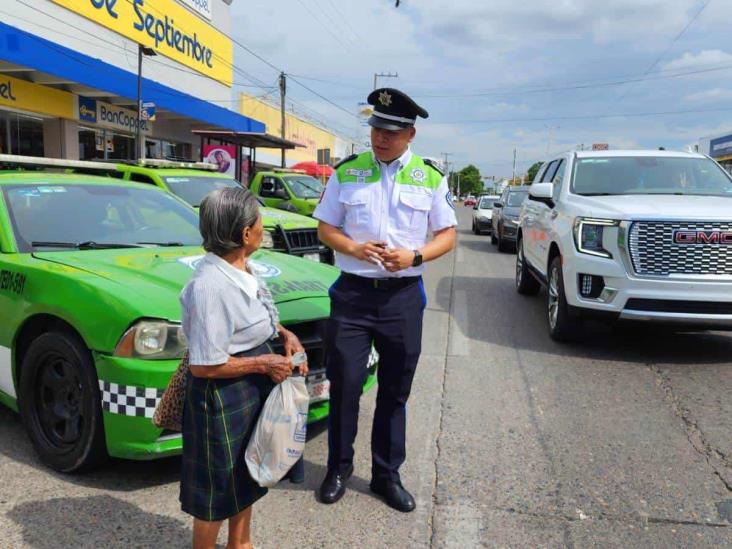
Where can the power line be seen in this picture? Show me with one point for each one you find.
(336, 105)
(676, 39)
(344, 18)
(325, 26)
(585, 117)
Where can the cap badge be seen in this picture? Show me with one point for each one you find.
(418, 175)
(385, 98)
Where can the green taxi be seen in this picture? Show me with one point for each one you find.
(288, 190)
(286, 231)
(90, 274)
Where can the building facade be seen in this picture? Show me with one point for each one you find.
(315, 143)
(719, 147)
(69, 77)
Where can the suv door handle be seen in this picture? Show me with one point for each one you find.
(555, 213)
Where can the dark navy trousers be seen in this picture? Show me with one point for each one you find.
(391, 319)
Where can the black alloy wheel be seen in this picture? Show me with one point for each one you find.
(563, 326)
(60, 403)
(526, 284)
(503, 244)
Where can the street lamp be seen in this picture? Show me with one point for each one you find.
(149, 52)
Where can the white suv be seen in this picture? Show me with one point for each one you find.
(630, 235)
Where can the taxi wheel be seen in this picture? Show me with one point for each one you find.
(60, 403)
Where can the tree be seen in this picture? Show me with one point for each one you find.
(470, 180)
(533, 170)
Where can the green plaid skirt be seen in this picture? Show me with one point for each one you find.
(218, 419)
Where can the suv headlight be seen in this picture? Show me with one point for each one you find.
(267, 239)
(152, 339)
(589, 234)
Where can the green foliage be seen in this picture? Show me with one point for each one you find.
(470, 181)
(533, 170)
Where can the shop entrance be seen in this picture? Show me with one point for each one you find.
(21, 134)
(101, 144)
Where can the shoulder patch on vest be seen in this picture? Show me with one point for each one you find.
(433, 165)
(347, 159)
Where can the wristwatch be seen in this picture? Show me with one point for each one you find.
(417, 258)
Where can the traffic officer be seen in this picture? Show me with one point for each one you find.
(376, 213)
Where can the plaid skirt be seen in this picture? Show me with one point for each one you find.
(218, 419)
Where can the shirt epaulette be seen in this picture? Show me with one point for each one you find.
(433, 165)
(347, 159)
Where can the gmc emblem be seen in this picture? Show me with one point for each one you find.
(703, 237)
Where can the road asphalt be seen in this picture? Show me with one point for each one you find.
(620, 440)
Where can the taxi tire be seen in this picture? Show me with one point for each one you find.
(76, 360)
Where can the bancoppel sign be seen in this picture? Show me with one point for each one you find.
(117, 118)
(721, 146)
(201, 7)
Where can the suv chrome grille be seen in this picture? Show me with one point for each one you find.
(654, 253)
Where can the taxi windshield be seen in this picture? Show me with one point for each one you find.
(194, 188)
(304, 186)
(69, 216)
(650, 175)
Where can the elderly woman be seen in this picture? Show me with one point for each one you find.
(229, 319)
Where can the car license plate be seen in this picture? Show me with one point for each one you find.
(312, 257)
(318, 389)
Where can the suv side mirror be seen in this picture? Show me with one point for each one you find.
(497, 205)
(542, 192)
(475, 207)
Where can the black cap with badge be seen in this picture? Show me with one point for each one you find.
(393, 110)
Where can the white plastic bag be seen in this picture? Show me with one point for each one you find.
(278, 439)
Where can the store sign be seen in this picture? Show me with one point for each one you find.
(722, 146)
(167, 27)
(87, 110)
(110, 116)
(224, 156)
(149, 111)
(600, 146)
(27, 96)
(201, 7)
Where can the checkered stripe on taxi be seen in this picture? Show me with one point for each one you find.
(129, 400)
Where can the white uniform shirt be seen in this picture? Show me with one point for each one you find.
(400, 215)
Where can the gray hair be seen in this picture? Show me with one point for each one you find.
(223, 216)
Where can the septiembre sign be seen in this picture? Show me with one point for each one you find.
(167, 27)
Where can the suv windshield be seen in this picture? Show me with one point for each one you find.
(516, 199)
(649, 175)
(69, 216)
(194, 188)
(304, 186)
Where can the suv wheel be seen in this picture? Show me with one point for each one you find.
(494, 238)
(503, 244)
(562, 325)
(475, 227)
(60, 403)
(526, 284)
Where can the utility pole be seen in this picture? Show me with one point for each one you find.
(458, 183)
(383, 75)
(283, 91)
(513, 179)
(141, 50)
(447, 167)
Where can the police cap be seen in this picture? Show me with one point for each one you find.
(393, 110)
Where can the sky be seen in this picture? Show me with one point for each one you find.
(539, 76)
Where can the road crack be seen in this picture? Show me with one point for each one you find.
(720, 463)
(443, 399)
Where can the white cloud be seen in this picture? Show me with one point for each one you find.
(709, 96)
(705, 58)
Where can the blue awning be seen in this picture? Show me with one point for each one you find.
(22, 48)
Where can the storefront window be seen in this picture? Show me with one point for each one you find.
(105, 145)
(21, 134)
(91, 144)
(155, 148)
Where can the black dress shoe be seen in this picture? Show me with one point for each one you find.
(334, 485)
(395, 495)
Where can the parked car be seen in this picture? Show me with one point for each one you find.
(288, 190)
(285, 231)
(505, 218)
(482, 213)
(469, 201)
(91, 329)
(630, 235)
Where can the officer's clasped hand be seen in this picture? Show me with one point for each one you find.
(397, 259)
(370, 251)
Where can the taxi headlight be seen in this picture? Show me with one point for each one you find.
(152, 339)
(267, 240)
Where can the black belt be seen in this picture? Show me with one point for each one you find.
(382, 283)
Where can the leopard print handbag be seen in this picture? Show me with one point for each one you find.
(169, 411)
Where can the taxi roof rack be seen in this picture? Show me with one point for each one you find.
(288, 170)
(163, 163)
(10, 161)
